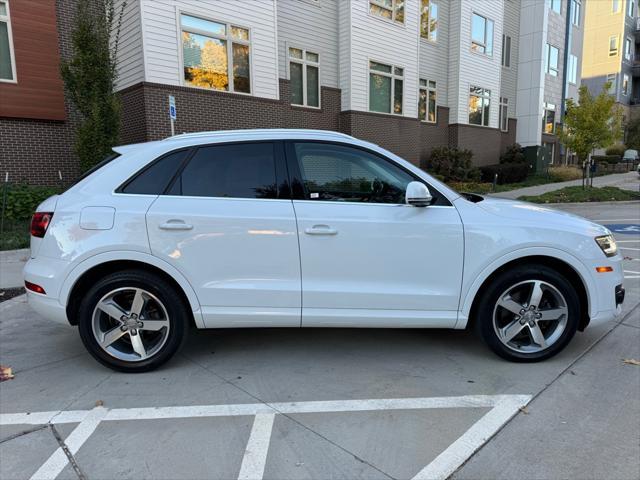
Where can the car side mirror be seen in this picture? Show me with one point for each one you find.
(418, 195)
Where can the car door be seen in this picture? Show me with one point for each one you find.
(369, 259)
(227, 223)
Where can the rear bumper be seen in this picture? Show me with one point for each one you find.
(47, 307)
(48, 273)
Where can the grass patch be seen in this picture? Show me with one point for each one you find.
(578, 194)
(15, 234)
(482, 187)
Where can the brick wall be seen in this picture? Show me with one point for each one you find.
(508, 138)
(434, 135)
(484, 142)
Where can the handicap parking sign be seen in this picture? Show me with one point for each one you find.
(625, 228)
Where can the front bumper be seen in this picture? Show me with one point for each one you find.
(608, 293)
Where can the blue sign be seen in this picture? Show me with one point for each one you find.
(172, 107)
(625, 228)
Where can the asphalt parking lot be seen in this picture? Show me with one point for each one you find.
(297, 404)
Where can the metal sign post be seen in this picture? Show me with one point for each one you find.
(172, 114)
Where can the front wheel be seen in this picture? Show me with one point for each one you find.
(132, 321)
(528, 314)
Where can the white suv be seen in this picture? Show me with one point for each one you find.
(302, 228)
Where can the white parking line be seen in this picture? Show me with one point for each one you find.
(627, 241)
(630, 248)
(255, 455)
(503, 408)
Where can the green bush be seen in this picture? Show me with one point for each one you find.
(513, 154)
(22, 200)
(452, 164)
(606, 158)
(617, 149)
(507, 172)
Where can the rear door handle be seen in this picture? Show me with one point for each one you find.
(175, 225)
(320, 230)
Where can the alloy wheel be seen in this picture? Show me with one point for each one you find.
(530, 316)
(130, 324)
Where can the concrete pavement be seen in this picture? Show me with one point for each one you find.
(626, 181)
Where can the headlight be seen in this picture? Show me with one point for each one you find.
(607, 244)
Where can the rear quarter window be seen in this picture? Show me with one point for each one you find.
(154, 179)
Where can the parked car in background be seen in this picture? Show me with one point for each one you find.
(630, 156)
(302, 228)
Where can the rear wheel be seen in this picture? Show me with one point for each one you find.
(132, 321)
(528, 314)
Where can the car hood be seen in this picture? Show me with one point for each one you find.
(539, 215)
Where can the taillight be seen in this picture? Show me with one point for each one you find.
(40, 223)
(34, 288)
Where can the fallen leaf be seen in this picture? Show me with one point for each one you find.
(524, 410)
(631, 361)
(5, 373)
(99, 403)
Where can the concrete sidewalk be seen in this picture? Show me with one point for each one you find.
(626, 181)
(11, 265)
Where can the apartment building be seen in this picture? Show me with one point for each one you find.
(410, 75)
(611, 37)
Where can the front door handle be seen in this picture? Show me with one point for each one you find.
(320, 230)
(175, 225)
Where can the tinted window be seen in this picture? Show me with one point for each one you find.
(236, 170)
(155, 178)
(339, 173)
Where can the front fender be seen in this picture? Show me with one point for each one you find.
(136, 256)
(580, 268)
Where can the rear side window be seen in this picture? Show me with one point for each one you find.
(231, 170)
(154, 179)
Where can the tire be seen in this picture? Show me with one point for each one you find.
(160, 324)
(515, 335)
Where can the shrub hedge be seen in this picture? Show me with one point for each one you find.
(22, 200)
(507, 172)
(452, 164)
(607, 158)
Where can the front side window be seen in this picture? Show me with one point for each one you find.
(625, 84)
(390, 9)
(576, 11)
(242, 170)
(340, 173)
(481, 34)
(613, 45)
(7, 59)
(631, 5)
(504, 114)
(549, 118)
(627, 49)
(551, 60)
(479, 106)
(573, 69)
(386, 83)
(427, 101)
(506, 51)
(215, 55)
(555, 5)
(429, 20)
(304, 73)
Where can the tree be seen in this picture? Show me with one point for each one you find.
(593, 122)
(89, 78)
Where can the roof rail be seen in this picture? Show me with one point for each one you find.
(258, 131)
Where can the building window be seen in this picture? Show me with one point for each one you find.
(427, 103)
(611, 80)
(481, 34)
(576, 7)
(573, 69)
(479, 106)
(389, 9)
(304, 75)
(551, 60)
(506, 51)
(613, 45)
(615, 6)
(555, 5)
(385, 88)
(7, 59)
(215, 55)
(429, 20)
(627, 49)
(549, 118)
(631, 5)
(625, 84)
(504, 114)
